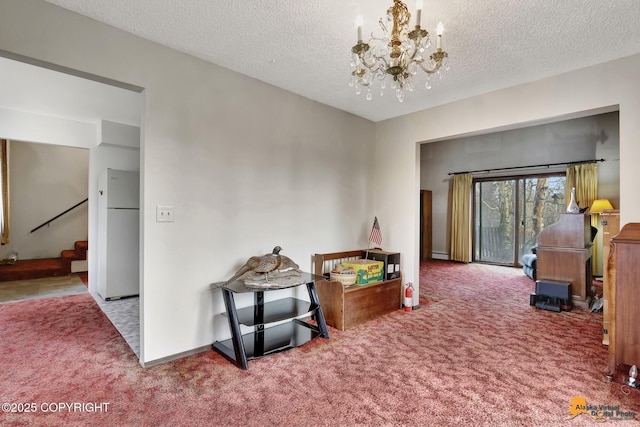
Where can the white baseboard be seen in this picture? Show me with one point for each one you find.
(171, 358)
(79, 266)
(440, 255)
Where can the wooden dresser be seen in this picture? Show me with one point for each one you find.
(624, 290)
(610, 227)
(564, 255)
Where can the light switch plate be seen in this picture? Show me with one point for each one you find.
(164, 213)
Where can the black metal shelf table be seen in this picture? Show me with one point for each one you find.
(265, 339)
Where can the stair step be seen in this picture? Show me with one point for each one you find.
(66, 257)
(48, 267)
(32, 269)
(81, 247)
(69, 254)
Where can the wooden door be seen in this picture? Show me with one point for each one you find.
(425, 225)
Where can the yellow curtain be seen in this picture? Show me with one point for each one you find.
(461, 218)
(4, 188)
(584, 178)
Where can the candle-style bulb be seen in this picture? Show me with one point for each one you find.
(359, 22)
(440, 28)
(418, 12)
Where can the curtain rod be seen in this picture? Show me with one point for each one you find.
(581, 162)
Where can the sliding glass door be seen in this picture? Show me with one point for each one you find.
(510, 212)
(495, 213)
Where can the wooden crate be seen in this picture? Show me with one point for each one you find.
(345, 308)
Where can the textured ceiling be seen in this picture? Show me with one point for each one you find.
(304, 46)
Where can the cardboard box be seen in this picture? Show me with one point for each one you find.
(391, 261)
(367, 271)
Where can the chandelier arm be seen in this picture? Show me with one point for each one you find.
(413, 55)
(430, 70)
(372, 66)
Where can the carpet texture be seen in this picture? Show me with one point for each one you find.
(475, 354)
(19, 290)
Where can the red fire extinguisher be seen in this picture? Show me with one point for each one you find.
(408, 297)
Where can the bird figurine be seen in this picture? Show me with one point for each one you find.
(264, 264)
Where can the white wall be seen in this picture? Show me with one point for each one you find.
(245, 165)
(36, 127)
(592, 137)
(580, 93)
(45, 181)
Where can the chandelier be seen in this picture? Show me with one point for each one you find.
(399, 53)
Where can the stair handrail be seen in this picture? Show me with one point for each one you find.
(59, 215)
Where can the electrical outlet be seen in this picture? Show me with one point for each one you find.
(164, 213)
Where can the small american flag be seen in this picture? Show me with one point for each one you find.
(376, 234)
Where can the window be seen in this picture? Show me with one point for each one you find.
(509, 213)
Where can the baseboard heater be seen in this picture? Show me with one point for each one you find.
(551, 296)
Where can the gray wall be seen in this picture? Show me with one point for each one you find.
(571, 140)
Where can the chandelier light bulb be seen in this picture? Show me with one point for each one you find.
(439, 31)
(419, 5)
(359, 22)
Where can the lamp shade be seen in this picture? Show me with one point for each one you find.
(600, 205)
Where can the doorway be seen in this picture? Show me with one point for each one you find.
(33, 110)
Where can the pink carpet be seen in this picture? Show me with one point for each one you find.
(475, 354)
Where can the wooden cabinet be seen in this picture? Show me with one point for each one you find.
(610, 220)
(347, 307)
(564, 255)
(624, 291)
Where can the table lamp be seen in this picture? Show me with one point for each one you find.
(600, 205)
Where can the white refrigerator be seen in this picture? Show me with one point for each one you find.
(118, 234)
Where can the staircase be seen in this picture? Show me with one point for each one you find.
(45, 267)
